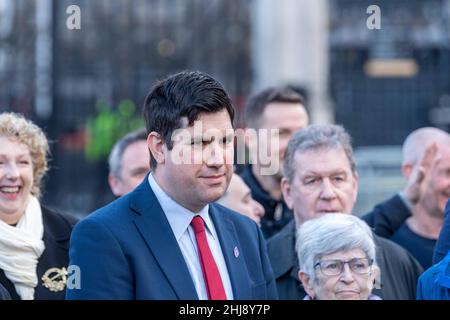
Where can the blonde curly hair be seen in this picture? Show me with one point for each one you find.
(13, 125)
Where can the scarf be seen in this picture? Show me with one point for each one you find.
(20, 249)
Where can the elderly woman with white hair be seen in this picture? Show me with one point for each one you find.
(336, 255)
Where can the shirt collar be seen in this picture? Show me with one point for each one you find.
(178, 216)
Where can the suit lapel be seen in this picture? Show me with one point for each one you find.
(237, 269)
(157, 233)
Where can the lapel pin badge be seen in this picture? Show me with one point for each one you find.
(236, 252)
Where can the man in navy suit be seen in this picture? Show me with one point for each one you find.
(167, 239)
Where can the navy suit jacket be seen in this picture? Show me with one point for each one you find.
(127, 250)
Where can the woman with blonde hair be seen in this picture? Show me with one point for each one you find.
(33, 239)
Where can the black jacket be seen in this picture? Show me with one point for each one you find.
(271, 222)
(4, 294)
(57, 230)
(399, 270)
(388, 216)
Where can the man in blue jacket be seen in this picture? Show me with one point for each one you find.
(167, 239)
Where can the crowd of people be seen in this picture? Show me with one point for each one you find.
(185, 226)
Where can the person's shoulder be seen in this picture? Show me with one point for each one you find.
(280, 247)
(57, 220)
(390, 247)
(286, 234)
(246, 172)
(396, 254)
(402, 233)
(113, 215)
(247, 176)
(429, 277)
(395, 202)
(392, 204)
(282, 255)
(429, 286)
(112, 210)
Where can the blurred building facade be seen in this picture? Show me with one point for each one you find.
(60, 78)
(380, 84)
(386, 83)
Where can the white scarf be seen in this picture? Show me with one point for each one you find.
(20, 249)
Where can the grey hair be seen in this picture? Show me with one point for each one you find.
(115, 157)
(315, 137)
(331, 233)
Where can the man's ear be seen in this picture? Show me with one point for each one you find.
(307, 284)
(406, 170)
(156, 146)
(286, 190)
(114, 184)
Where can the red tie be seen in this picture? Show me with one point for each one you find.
(211, 275)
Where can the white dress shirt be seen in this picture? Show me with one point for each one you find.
(180, 221)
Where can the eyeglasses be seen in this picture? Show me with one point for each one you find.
(335, 267)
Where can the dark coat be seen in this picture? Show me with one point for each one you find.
(4, 294)
(277, 213)
(399, 270)
(57, 230)
(388, 216)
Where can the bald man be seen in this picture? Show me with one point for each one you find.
(417, 212)
(238, 197)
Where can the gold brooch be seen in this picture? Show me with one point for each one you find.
(55, 279)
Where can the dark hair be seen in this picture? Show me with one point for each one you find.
(115, 157)
(257, 103)
(185, 94)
